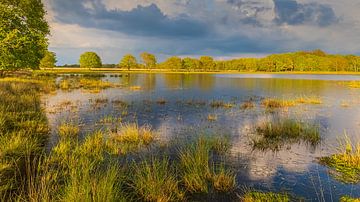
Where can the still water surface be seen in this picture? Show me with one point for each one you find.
(294, 169)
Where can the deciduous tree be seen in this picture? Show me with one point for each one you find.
(90, 60)
(49, 60)
(128, 61)
(149, 60)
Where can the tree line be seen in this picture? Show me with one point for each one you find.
(24, 44)
(302, 61)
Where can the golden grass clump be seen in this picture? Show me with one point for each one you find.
(67, 130)
(212, 117)
(274, 135)
(255, 196)
(346, 163)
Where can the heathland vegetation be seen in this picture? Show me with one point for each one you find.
(130, 163)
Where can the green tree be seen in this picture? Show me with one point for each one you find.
(90, 60)
(207, 62)
(173, 63)
(128, 61)
(191, 63)
(23, 42)
(48, 60)
(149, 60)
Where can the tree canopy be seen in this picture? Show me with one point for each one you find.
(149, 60)
(128, 61)
(23, 32)
(90, 60)
(49, 60)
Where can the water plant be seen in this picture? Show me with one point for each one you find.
(247, 105)
(67, 130)
(255, 196)
(212, 117)
(218, 104)
(349, 199)
(274, 135)
(156, 180)
(345, 163)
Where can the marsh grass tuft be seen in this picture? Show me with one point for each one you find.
(155, 180)
(254, 196)
(274, 103)
(67, 130)
(247, 105)
(221, 104)
(349, 199)
(199, 173)
(274, 135)
(346, 163)
(130, 137)
(212, 117)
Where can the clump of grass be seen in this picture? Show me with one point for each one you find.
(224, 180)
(274, 135)
(247, 105)
(101, 101)
(120, 103)
(155, 180)
(254, 196)
(219, 104)
(135, 88)
(349, 199)
(346, 163)
(353, 84)
(197, 170)
(131, 137)
(67, 130)
(161, 101)
(109, 119)
(309, 100)
(212, 117)
(194, 162)
(272, 103)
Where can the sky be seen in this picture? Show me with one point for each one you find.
(220, 28)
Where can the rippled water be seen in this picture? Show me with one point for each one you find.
(293, 169)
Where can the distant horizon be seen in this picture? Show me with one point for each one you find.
(218, 28)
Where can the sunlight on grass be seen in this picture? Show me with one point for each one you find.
(346, 163)
(254, 196)
(274, 135)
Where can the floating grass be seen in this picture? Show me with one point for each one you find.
(274, 135)
(346, 163)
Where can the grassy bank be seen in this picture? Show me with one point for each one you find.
(117, 70)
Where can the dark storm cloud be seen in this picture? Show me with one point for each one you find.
(141, 21)
(293, 13)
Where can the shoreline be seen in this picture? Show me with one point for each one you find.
(158, 71)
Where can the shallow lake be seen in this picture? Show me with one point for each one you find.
(179, 104)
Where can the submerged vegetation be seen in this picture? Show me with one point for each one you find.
(275, 135)
(346, 163)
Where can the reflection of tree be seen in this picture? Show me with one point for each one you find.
(205, 81)
(149, 81)
(276, 86)
(178, 80)
(129, 79)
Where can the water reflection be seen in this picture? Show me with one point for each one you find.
(188, 98)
